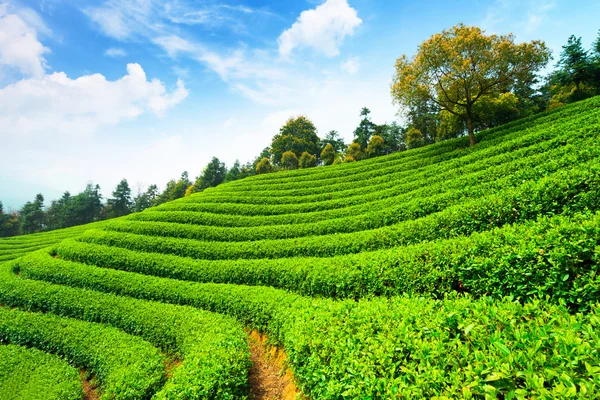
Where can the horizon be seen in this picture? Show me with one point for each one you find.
(100, 91)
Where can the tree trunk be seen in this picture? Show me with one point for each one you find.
(471, 133)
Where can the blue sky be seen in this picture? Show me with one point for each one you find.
(145, 89)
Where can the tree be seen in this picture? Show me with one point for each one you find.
(87, 205)
(289, 160)
(297, 135)
(145, 200)
(307, 160)
(60, 214)
(328, 154)
(264, 166)
(375, 147)
(456, 68)
(234, 172)
(247, 169)
(414, 138)
(577, 75)
(333, 138)
(32, 215)
(9, 223)
(213, 175)
(353, 153)
(394, 137)
(121, 203)
(365, 129)
(574, 63)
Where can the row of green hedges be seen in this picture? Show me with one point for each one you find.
(553, 256)
(399, 347)
(32, 374)
(370, 216)
(127, 367)
(567, 191)
(391, 203)
(213, 347)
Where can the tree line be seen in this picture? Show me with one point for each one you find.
(459, 82)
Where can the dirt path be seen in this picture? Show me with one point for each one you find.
(90, 392)
(267, 382)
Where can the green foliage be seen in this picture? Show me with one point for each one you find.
(213, 175)
(415, 138)
(364, 130)
(121, 203)
(127, 367)
(9, 223)
(459, 66)
(213, 347)
(264, 166)
(448, 271)
(354, 153)
(439, 348)
(376, 146)
(146, 199)
(234, 173)
(32, 215)
(307, 160)
(289, 160)
(333, 138)
(27, 373)
(328, 155)
(297, 135)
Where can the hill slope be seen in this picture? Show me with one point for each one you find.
(381, 278)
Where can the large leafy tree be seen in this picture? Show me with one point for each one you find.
(121, 203)
(458, 67)
(365, 129)
(297, 135)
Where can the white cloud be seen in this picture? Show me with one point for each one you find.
(56, 104)
(20, 49)
(350, 66)
(322, 29)
(115, 52)
(517, 16)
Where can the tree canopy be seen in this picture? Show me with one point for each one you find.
(459, 67)
(297, 135)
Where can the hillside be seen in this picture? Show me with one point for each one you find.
(447, 270)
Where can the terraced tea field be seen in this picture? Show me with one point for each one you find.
(445, 271)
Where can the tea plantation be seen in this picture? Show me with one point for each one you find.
(446, 271)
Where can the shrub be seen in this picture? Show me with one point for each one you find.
(289, 160)
(307, 160)
(264, 166)
(328, 154)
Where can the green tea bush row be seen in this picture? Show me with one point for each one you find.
(513, 172)
(563, 192)
(556, 257)
(376, 215)
(527, 144)
(213, 347)
(27, 373)
(471, 174)
(400, 347)
(127, 367)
